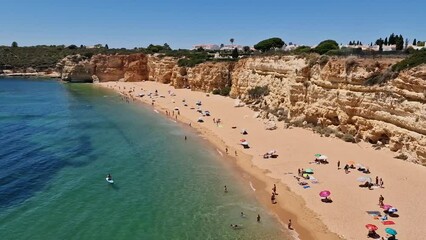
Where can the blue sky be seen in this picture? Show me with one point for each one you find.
(183, 23)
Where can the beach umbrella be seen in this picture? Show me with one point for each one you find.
(318, 155)
(305, 175)
(309, 170)
(364, 179)
(245, 143)
(391, 231)
(243, 140)
(322, 157)
(387, 206)
(371, 227)
(325, 193)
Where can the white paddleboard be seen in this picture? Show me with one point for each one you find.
(110, 181)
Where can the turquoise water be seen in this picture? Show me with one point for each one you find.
(59, 141)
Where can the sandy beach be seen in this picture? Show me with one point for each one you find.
(346, 216)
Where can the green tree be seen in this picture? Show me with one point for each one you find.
(232, 42)
(235, 53)
(106, 46)
(421, 43)
(414, 42)
(72, 46)
(380, 43)
(386, 41)
(392, 39)
(14, 44)
(267, 44)
(167, 47)
(326, 46)
(246, 49)
(350, 43)
(222, 45)
(399, 41)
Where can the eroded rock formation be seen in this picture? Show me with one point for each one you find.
(338, 93)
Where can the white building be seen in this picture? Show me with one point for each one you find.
(231, 47)
(206, 47)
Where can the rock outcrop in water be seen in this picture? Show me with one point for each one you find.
(321, 92)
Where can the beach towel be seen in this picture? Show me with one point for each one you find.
(313, 179)
(388, 222)
(373, 213)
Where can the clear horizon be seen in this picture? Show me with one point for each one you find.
(132, 24)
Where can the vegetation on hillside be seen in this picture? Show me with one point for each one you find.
(411, 61)
(258, 92)
(42, 57)
(326, 46)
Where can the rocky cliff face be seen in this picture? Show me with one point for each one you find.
(104, 68)
(319, 92)
(333, 94)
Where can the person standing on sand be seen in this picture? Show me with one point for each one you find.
(338, 165)
(258, 218)
(381, 183)
(381, 199)
(274, 189)
(236, 153)
(185, 138)
(226, 149)
(273, 198)
(377, 181)
(289, 225)
(225, 189)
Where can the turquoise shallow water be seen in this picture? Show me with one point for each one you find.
(58, 142)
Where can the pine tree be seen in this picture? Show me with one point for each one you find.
(386, 41)
(414, 42)
(14, 44)
(235, 53)
(106, 46)
(350, 43)
(392, 39)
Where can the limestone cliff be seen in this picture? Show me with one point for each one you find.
(334, 95)
(326, 92)
(104, 68)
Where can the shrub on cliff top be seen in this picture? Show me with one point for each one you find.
(411, 61)
(326, 46)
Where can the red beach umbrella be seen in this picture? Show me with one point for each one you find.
(242, 140)
(325, 193)
(371, 227)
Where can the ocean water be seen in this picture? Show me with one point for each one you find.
(59, 141)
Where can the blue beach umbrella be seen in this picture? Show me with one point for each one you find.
(390, 231)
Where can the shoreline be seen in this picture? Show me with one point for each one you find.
(303, 228)
(347, 216)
